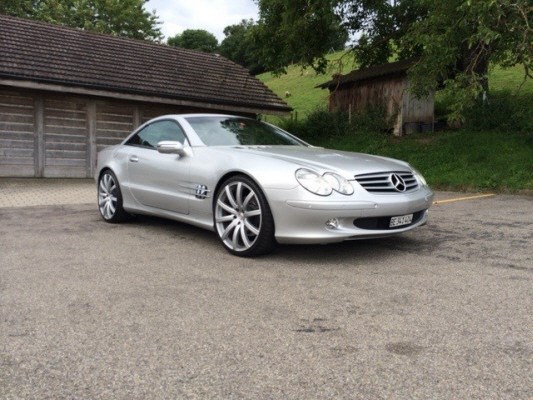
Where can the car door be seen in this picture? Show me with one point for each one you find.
(155, 179)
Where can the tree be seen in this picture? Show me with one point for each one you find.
(195, 39)
(239, 46)
(297, 31)
(119, 17)
(453, 41)
(459, 39)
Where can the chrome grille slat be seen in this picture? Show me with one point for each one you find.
(380, 182)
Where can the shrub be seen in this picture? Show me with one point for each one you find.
(373, 119)
(503, 112)
(322, 125)
(318, 125)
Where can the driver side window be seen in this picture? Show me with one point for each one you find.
(154, 133)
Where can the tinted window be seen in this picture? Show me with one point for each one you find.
(231, 131)
(154, 133)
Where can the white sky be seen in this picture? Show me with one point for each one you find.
(210, 15)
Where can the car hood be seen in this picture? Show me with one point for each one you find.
(346, 163)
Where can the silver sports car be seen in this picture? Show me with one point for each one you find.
(255, 184)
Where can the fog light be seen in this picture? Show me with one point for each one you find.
(332, 223)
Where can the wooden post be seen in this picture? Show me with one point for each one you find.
(39, 153)
(91, 138)
(136, 117)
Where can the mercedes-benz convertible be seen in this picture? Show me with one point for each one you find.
(256, 185)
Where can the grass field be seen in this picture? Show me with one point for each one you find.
(457, 160)
(301, 83)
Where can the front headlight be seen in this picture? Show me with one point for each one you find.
(313, 182)
(323, 185)
(419, 177)
(338, 183)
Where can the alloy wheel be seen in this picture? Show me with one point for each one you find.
(238, 216)
(107, 196)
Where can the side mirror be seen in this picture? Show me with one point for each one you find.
(171, 147)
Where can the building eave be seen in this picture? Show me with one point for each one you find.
(130, 95)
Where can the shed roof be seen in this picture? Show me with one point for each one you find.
(44, 53)
(368, 73)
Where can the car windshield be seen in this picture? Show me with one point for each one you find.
(234, 131)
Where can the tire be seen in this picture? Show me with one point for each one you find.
(110, 198)
(242, 218)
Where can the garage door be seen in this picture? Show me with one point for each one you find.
(17, 135)
(53, 135)
(65, 137)
(113, 123)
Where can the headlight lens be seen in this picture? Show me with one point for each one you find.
(323, 185)
(338, 183)
(313, 182)
(419, 177)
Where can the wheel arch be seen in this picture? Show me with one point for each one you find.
(231, 174)
(103, 170)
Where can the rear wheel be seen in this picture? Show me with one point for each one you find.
(242, 218)
(110, 198)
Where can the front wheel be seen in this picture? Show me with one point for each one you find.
(242, 218)
(110, 198)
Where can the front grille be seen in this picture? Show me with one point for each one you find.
(388, 182)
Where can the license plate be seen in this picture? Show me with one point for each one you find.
(401, 220)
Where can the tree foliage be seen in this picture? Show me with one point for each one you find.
(119, 17)
(240, 46)
(298, 31)
(460, 39)
(453, 41)
(195, 39)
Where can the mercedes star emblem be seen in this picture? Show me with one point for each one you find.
(397, 182)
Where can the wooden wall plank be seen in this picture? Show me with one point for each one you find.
(16, 161)
(69, 146)
(17, 171)
(16, 144)
(58, 138)
(16, 126)
(66, 130)
(17, 135)
(54, 171)
(24, 118)
(66, 162)
(14, 152)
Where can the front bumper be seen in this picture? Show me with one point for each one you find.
(300, 217)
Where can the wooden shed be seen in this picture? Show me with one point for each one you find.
(384, 85)
(66, 93)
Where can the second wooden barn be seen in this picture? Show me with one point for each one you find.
(384, 85)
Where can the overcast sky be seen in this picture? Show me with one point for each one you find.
(210, 15)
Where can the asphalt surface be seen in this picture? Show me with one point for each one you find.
(155, 309)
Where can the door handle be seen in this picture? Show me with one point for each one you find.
(134, 159)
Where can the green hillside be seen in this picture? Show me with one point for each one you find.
(305, 97)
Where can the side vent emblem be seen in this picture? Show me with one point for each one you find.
(201, 191)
